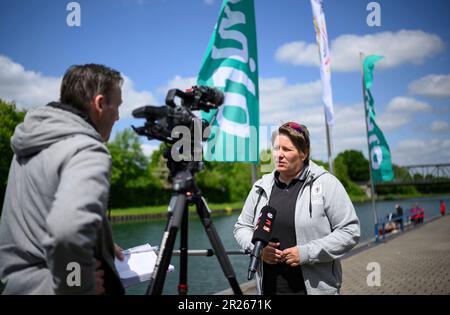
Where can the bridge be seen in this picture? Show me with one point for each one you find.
(424, 174)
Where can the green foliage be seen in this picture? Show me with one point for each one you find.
(132, 182)
(401, 173)
(225, 182)
(341, 172)
(129, 163)
(357, 165)
(10, 117)
(323, 164)
(158, 166)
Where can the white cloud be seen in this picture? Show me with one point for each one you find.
(30, 89)
(24, 87)
(209, 2)
(133, 99)
(419, 151)
(431, 85)
(440, 126)
(302, 102)
(298, 53)
(278, 99)
(407, 104)
(399, 112)
(178, 82)
(402, 47)
(392, 121)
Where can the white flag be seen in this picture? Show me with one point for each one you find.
(324, 53)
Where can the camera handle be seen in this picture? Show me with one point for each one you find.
(185, 191)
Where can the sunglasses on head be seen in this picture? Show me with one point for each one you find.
(295, 126)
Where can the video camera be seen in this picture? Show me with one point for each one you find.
(160, 120)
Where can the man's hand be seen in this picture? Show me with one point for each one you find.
(118, 252)
(99, 281)
(270, 253)
(291, 256)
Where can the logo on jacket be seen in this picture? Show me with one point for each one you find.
(317, 190)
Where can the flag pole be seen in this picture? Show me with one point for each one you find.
(372, 186)
(329, 145)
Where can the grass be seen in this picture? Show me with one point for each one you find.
(163, 209)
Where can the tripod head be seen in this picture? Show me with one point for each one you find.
(182, 173)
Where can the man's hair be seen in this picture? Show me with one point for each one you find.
(298, 134)
(81, 83)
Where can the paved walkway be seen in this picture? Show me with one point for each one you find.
(414, 262)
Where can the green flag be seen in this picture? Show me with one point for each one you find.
(230, 63)
(379, 153)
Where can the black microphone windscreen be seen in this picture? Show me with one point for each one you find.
(150, 112)
(264, 225)
(219, 97)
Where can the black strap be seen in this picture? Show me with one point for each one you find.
(260, 192)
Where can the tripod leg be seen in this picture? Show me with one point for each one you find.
(176, 211)
(182, 284)
(227, 268)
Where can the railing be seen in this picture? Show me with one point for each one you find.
(405, 221)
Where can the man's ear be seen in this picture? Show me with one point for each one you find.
(99, 103)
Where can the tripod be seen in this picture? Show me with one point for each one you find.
(185, 192)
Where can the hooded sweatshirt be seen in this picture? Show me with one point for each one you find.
(54, 224)
(326, 227)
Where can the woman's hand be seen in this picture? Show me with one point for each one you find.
(291, 256)
(271, 254)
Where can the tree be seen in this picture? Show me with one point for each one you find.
(132, 182)
(341, 172)
(10, 117)
(357, 165)
(129, 163)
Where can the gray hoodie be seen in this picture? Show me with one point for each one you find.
(54, 225)
(326, 227)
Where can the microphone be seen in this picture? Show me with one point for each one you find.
(261, 237)
(150, 112)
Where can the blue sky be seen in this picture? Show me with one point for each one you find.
(159, 44)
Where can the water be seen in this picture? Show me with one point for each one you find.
(205, 275)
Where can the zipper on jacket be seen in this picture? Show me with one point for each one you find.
(310, 192)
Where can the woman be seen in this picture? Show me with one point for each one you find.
(442, 207)
(315, 225)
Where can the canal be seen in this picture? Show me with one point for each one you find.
(204, 273)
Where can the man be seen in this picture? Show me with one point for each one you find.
(399, 216)
(54, 234)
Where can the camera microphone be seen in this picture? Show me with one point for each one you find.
(216, 96)
(205, 97)
(261, 237)
(150, 112)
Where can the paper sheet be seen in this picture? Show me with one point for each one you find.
(138, 265)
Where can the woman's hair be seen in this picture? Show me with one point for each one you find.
(298, 134)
